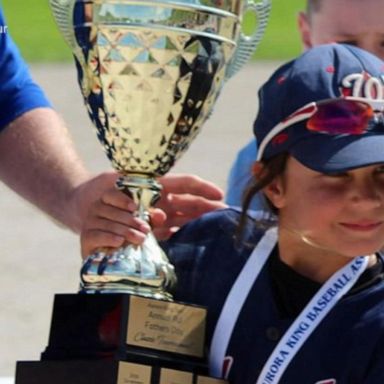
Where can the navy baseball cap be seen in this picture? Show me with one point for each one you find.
(330, 71)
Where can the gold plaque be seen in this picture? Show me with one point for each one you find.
(130, 373)
(171, 376)
(209, 380)
(166, 326)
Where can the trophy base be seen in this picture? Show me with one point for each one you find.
(121, 339)
(125, 327)
(103, 372)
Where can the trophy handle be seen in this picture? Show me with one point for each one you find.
(247, 44)
(62, 11)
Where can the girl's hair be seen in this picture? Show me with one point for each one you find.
(272, 168)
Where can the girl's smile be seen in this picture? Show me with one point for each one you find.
(363, 226)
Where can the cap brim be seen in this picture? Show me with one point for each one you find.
(327, 154)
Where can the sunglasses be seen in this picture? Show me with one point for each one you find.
(343, 116)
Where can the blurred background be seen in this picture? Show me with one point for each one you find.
(32, 27)
(39, 259)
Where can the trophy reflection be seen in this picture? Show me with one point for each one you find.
(150, 73)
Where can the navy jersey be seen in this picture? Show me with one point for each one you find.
(18, 92)
(347, 346)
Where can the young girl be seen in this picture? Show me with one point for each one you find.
(298, 297)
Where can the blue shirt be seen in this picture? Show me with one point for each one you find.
(346, 347)
(18, 92)
(240, 177)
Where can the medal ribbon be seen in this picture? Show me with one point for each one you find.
(308, 320)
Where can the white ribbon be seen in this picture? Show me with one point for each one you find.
(236, 299)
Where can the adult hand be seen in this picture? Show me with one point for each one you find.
(183, 198)
(109, 221)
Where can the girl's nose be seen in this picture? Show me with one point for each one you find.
(367, 194)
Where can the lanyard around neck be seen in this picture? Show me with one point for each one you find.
(311, 316)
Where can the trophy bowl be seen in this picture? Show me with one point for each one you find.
(150, 72)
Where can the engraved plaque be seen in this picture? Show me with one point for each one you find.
(209, 380)
(166, 326)
(171, 376)
(130, 373)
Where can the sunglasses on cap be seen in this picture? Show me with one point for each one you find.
(342, 116)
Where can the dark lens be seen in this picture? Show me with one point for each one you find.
(341, 117)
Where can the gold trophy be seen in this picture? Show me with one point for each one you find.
(150, 72)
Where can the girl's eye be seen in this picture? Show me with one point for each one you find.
(336, 175)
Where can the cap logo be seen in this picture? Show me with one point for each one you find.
(363, 85)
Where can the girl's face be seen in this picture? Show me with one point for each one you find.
(341, 213)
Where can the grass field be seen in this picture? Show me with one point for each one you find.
(31, 25)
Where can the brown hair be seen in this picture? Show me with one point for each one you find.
(272, 168)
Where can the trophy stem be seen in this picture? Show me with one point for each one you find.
(141, 270)
(143, 189)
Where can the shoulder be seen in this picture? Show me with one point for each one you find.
(208, 258)
(366, 311)
(206, 253)
(223, 222)
(371, 330)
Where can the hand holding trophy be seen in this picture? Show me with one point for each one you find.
(150, 72)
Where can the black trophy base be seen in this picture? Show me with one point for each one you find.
(121, 339)
(124, 327)
(103, 372)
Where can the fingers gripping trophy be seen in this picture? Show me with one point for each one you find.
(150, 72)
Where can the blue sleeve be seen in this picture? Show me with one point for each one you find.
(18, 92)
(241, 175)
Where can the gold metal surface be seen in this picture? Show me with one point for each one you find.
(131, 373)
(150, 73)
(166, 326)
(210, 380)
(171, 376)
